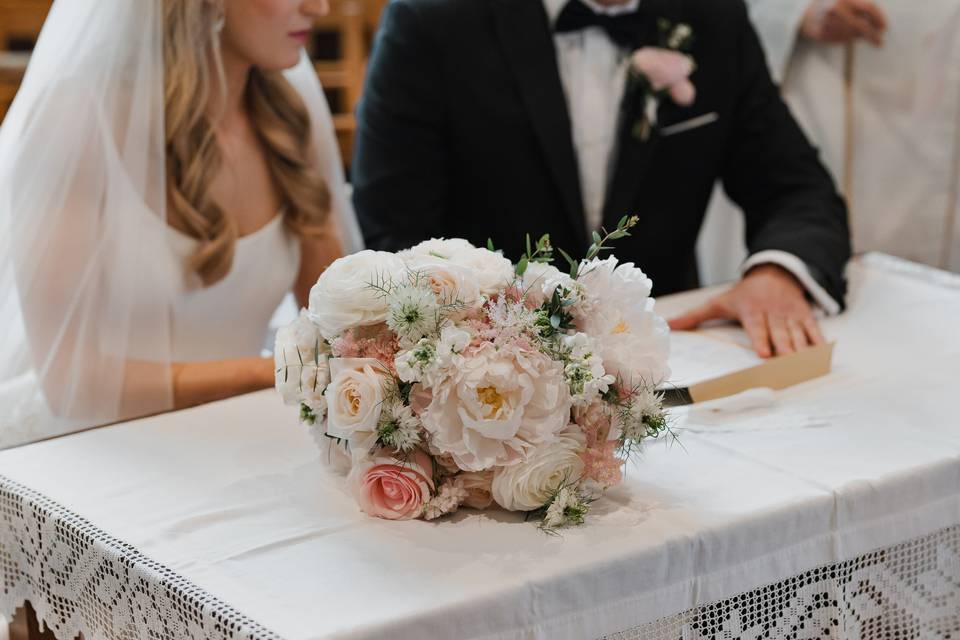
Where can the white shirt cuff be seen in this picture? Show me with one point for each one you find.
(799, 269)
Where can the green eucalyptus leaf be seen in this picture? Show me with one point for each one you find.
(522, 265)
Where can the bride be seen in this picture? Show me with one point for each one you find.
(168, 172)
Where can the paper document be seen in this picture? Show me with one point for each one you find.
(695, 357)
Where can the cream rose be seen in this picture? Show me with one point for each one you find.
(355, 399)
(343, 297)
(528, 485)
(496, 405)
(477, 485)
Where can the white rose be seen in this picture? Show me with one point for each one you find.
(343, 296)
(451, 283)
(528, 485)
(300, 358)
(633, 341)
(355, 399)
(496, 405)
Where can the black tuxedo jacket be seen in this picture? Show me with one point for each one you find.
(463, 131)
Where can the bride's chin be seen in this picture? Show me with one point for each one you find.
(281, 63)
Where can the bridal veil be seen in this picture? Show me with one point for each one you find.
(86, 276)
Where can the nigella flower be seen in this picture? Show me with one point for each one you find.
(413, 313)
(568, 507)
(398, 427)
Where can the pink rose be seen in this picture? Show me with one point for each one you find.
(386, 487)
(667, 70)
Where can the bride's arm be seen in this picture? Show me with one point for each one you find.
(197, 383)
(316, 254)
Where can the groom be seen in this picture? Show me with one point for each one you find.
(497, 118)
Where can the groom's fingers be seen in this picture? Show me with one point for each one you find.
(693, 319)
(755, 324)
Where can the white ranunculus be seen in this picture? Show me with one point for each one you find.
(355, 398)
(528, 485)
(437, 248)
(334, 453)
(343, 296)
(450, 282)
(493, 272)
(496, 405)
(633, 340)
(300, 358)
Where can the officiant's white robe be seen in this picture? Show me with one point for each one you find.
(904, 134)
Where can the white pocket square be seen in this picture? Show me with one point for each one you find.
(687, 125)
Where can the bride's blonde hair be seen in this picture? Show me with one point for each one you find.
(193, 76)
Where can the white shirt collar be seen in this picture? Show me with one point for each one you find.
(554, 7)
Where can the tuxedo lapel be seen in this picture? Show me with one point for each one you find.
(634, 152)
(528, 44)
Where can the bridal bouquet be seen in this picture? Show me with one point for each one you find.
(446, 376)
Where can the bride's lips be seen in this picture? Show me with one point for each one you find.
(300, 36)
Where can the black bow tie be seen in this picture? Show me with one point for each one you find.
(624, 29)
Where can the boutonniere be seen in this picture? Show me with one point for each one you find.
(661, 70)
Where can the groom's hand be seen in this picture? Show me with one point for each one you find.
(770, 304)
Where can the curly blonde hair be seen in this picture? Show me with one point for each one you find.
(193, 75)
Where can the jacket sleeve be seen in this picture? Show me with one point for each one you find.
(789, 200)
(399, 164)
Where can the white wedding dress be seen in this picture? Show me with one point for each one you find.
(96, 301)
(229, 319)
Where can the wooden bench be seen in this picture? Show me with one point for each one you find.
(12, 68)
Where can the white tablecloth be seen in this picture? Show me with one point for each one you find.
(229, 500)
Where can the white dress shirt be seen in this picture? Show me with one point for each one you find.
(593, 72)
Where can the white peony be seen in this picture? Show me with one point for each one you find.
(355, 399)
(343, 296)
(496, 405)
(452, 283)
(633, 341)
(528, 485)
(300, 358)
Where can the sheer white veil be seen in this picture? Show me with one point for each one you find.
(86, 277)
